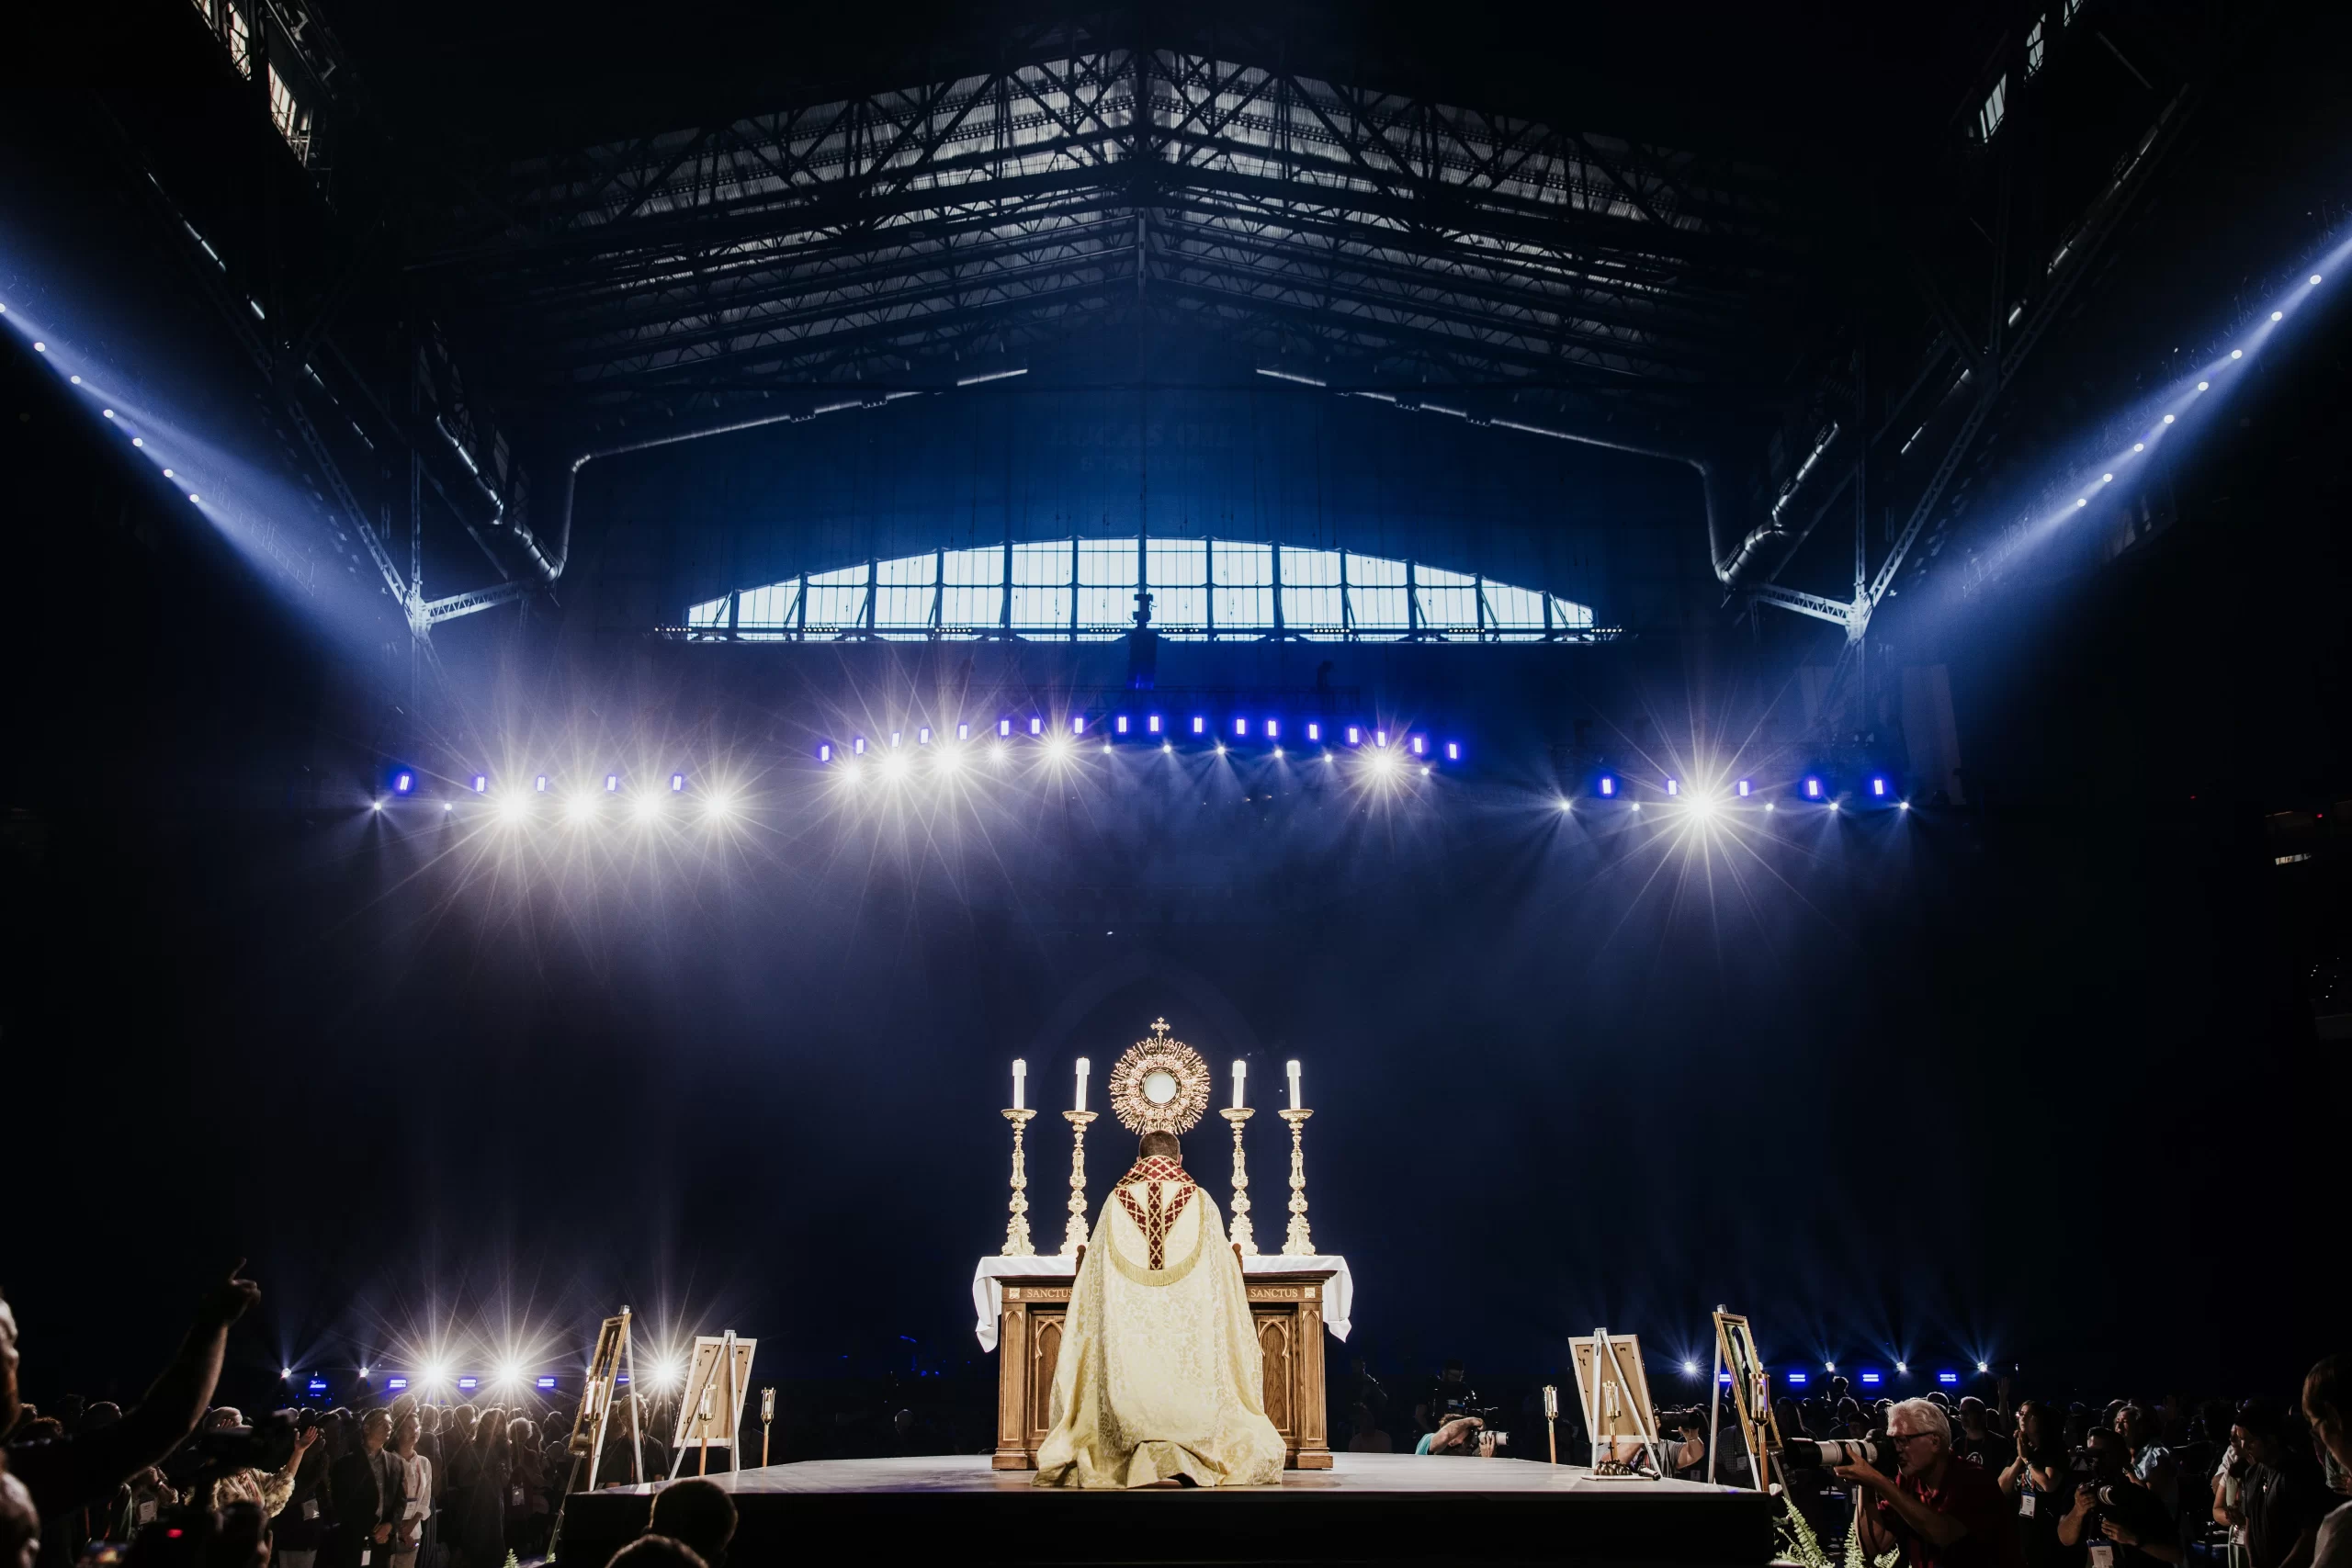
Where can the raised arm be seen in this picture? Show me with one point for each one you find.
(86, 1469)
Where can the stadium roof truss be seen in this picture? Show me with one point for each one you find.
(874, 237)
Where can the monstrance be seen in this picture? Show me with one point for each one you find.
(1160, 1085)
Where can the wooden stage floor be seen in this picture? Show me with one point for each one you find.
(1367, 1508)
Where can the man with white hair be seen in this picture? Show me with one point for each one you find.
(1943, 1510)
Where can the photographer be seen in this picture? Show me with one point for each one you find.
(2122, 1522)
(1465, 1436)
(1942, 1510)
(84, 1469)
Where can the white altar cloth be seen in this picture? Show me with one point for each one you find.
(987, 1295)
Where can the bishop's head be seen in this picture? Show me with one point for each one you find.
(1164, 1145)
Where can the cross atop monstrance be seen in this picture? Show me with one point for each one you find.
(1159, 1088)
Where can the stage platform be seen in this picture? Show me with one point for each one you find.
(1367, 1508)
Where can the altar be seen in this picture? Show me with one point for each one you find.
(1019, 1303)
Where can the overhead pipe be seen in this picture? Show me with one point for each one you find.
(1729, 562)
(548, 561)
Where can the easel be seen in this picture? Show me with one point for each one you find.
(587, 1444)
(717, 1379)
(1760, 1429)
(1616, 1396)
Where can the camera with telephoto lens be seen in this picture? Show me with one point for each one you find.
(1830, 1453)
(2106, 1493)
(1691, 1418)
(266, 1445)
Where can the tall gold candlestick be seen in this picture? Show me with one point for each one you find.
(1242, 1237)
(1075, 1237)
(1300, 1243)
(1016, 1229)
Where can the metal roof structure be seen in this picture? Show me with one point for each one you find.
(989, 214)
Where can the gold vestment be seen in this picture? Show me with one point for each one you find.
(1159, 1374)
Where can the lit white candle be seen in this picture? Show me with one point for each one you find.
(1081, 1085)
(1241, 1071)
(1020, 1084)
(1294, 1084)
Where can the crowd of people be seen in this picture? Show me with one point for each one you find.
(1967, 1482)
(405, 1484)
(1997, 1483)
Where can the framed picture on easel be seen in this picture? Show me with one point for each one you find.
(1615, 1392)
(719, 1380)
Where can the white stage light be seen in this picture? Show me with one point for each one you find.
(949, 761)
(2277, 315)
(2138, 446)
(649, 807)
(515, 808)
(2237, 353)
(2314, 278)
(1690, 1369)
(1567, 805)
(582, 809)
(1770, 806)
(107, 413)
(2202, 385)
(135, 441)
(894, 767)
(167, 473)
(2168, 419)
(363, 1372)
(375, 806)
(2106, 479)
(2080, 502)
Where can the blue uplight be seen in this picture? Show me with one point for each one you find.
(1077, 724)
(1744, 787)
(677, 784)
(545, 1383)
(395, 1382)
(1608, 785)
(1877, 786)
(316, 1385)
(1421, 746)
(1273, 730)
(540, 784)
(1120, 723)
(858, 746)
(1870, 1377)
(1003, 727)
(1798, 1380)
(1454, 750)
(403, 783)
(612, 783)
(922, 735)
(1355, 735)
(1151, 724)
(470, 1382)
(1037, 724)
(480, 783)
(825, 753)
(1673, 787)
(963, 731)
(1948, 1377)
(1314, 731)
(1812, 789)
(1200, 724)
(1241, 726)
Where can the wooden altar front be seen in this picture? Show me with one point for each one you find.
(1288, 1308)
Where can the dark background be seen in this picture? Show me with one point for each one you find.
(2033, 1082)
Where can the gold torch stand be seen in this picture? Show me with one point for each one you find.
(1074, 1236)
(1016, 1229)
(1244, 1239)
(1300, 1243)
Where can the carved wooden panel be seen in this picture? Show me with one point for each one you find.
(1047, 1355)
(1273, 1348)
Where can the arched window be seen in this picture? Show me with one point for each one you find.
(1084, 589)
